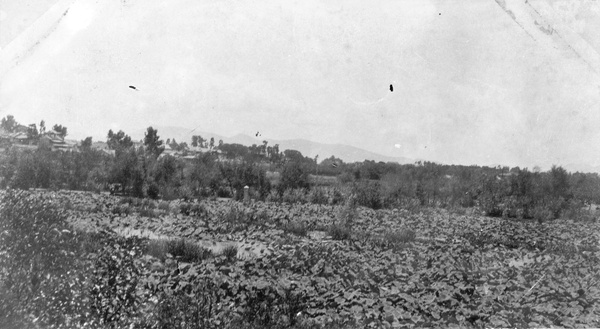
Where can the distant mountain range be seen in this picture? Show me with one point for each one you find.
(308, 148)
(583, 168)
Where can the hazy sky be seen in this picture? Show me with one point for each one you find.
(475, 82)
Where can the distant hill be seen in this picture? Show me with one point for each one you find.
(583, 168)
(308, 148)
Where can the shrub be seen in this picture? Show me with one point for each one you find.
(368, 194)
(230, 252)
(153, 190)
(198, 210)
(185, 208)
(149, 204)
(318, 195)
(542, 214)
(147, 213)
(294, 196)
(122, 210)
(273, 196)
(235, 218)
(187, 251)
(163, 205)
(336, 197)
(400, 237)
(297, 228)
(339, 232)
(157, 248)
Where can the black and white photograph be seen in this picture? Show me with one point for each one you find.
(276, 164)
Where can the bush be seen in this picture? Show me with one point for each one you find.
(164, 206)
(149, 204)
(397, 238)
(230, 252)
(367, 194)
(542, 214)
(318, 195)
(122, 210)
(198, 210)
(153, 191)
(339, 232)
(187, 251)
(273, 196)
(294, 196)
(148, 213)
(296, 228)
(336, 197)
(185, 208)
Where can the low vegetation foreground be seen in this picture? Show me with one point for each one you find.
(89, 260)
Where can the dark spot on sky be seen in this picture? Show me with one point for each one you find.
(440, 14)
(391, 88)
(133, 87)
(258, 134)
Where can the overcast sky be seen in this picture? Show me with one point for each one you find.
(475, 82)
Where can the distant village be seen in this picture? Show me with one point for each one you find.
(21, 137)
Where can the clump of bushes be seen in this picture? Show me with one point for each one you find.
(341, 229)
(318, 195)
(297, 195)
(339, 232)
(181, 249)
(296, 228)
(230, 252)
(187, 251)
(394, 239)
(122, 210)
(145, 212)
(164, 206)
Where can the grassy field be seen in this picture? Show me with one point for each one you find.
(280, 265)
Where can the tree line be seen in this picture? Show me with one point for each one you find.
(224, 169)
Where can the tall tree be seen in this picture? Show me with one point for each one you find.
(86, 144)
(42, 127)
(118, 141)
(62, 131)
(153, 142)
(9, 123)
(212, 143)
(32, 132)
(263, 148)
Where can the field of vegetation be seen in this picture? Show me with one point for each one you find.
(91, 260)
(309, 245)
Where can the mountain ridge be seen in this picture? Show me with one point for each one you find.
(347, 153)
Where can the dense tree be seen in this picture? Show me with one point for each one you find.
(233, 151)
(153, 143)
(9, 123)
(62, 131)
(86, 144)
(32, 132)
(294, 175)
(119, 141)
